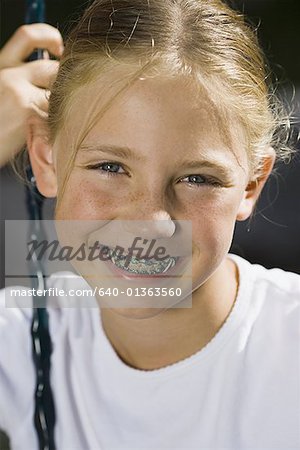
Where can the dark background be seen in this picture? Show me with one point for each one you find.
(274, 236)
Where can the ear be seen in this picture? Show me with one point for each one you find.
(41, 157)
(255, 187)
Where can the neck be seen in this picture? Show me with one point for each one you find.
(177, 333)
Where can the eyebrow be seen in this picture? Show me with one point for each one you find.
(115, 150)
(225, 170)
(128, 153)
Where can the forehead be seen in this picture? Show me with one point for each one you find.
(154, 113)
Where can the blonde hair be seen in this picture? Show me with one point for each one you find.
(202, 39)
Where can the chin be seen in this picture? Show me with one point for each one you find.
(138, 313)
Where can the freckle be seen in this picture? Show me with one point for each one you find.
(135, 196)
(94, 198)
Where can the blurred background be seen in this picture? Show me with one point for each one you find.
(272, 238)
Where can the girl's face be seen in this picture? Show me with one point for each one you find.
(159, 153)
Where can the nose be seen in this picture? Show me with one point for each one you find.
(159, 226)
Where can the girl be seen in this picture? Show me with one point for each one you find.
(160, 115)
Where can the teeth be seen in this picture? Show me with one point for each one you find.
(142, 266)
(169, 265)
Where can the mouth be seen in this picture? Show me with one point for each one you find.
(133, 265)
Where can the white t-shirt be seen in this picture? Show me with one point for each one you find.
(241, 391)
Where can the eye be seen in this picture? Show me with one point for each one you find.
(110, 168)
(201, 180)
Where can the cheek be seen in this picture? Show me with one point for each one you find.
(213, 219)
(84, 199)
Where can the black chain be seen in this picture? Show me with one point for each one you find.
(44, 414)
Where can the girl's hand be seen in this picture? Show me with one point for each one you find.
(23, 86)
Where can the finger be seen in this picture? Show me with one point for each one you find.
(39, 102)
(41, 73)
(46, 54)
(26, 39)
